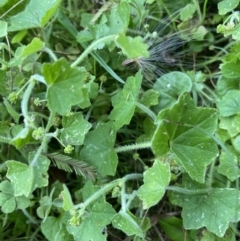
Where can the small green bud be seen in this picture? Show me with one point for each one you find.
(145, 168)
(135, 156)
(68, 149)
(115, 192)
(146, 26)
(154, 34)
(57, 121)
(37, 102)
(103, 78)
(75, 220)
(230, 26)
(38, 133)
(69, 114)
(88, 77)
(73, 212)
(13, 97)
(120, 184)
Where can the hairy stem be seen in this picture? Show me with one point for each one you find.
(133, 147)
(188, 191)
(50, 53)
(123, 198)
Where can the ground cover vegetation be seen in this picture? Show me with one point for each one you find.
(119, 120)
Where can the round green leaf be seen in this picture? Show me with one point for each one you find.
(185, 131)
(130, 224)
(21, 176)
(74, 129)
(8, 201)
(214, 210)
(230, 103)
(54, 229)
(3, 29)
(226, 6)
(230, 70)
(124, 102)
(132, 47)
(98, 149)
(65, 86)
(35, 15)
(171, 86)
(155, 180)
(231, 124)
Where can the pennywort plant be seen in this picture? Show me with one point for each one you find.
(106, 133)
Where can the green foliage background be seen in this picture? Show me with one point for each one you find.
(119, 120)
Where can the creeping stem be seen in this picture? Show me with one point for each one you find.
(107, 188)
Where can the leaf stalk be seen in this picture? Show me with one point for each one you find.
(91, 47)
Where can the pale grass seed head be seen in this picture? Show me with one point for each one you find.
(164, 45)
